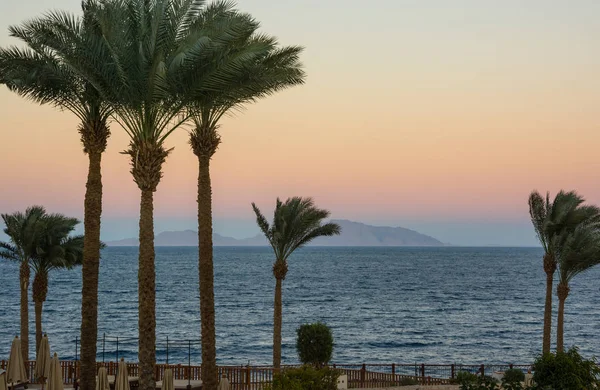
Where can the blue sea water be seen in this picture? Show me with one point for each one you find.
(384, 305)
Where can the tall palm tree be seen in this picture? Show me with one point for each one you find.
(579, 252)
(58, 250)
(24, 231)
(553, 221)
(295, 223)
(47, 76)
(248, 66)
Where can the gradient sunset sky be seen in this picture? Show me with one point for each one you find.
(439, 116)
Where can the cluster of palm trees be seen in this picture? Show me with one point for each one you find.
(151, 66)
(569, 232)
(42, 242)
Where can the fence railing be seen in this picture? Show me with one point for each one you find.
(255, 377)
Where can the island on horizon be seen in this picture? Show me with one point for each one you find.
(353, 234)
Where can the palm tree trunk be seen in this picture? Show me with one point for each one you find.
(206, 275)
(277, 319)
(562, 292)
(146, 294)
(549, 268)
(37, 299)
(90, 270)
(24, 275)
(38, 323)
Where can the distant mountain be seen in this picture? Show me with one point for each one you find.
(353, 234)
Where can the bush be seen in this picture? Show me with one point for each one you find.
(306, 378)
(481, 383)
(314, 344)
(512, 379)
(513, 375)
(463, 377)
(565, 371)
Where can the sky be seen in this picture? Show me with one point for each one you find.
(439, 116)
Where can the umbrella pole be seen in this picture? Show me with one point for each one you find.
(189, 386)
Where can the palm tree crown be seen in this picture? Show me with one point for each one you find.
(295, 223)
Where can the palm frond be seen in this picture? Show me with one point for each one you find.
(9, 252)
(537, 212)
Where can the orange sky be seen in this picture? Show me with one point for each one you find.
(416, 115)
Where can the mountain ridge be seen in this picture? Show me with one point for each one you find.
(353, 234)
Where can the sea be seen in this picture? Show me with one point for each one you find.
(383, 304)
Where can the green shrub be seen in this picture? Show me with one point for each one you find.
(565, 371)
(306, 378)
(512, 379)
(513, 386)
(463, 377)
(513, 375)
(314, 344)
(481, 383)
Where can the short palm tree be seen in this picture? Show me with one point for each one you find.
(580, 251)
(46, 73)
(551, 221)
(24, 231)
(296, 222)
(57, 250)
(248, 66)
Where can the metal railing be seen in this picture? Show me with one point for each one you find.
(255, 377)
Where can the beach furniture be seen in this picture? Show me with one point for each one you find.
(42, 361)
(167, 382)
(102, 379)
(3, 380)
(55, 379)
(224, 383)
(122, 379)
(16, 375)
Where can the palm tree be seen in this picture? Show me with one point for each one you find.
(58, 250)
(248, 66)
(552, 222)
(47, 76)
(151, 50)
(24, 231)
(295, 223)
(579, 252)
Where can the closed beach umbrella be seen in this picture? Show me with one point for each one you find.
(15, 372)
(122, 380)
(167, 382)
(3, 380)
(224, 384)
(42, 361)
(102, 382)
(55, 379)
